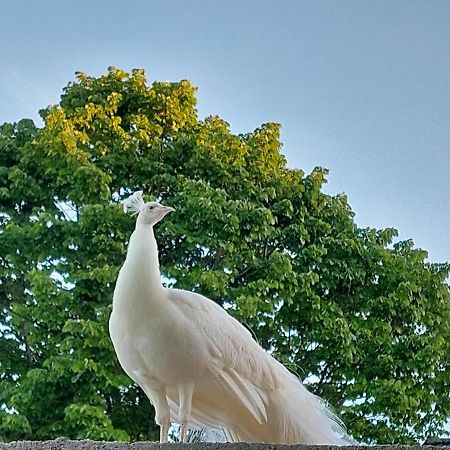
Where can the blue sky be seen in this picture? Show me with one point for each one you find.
(360, 87)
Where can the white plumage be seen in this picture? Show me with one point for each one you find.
(198, 365)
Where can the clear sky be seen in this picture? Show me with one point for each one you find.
(361, 87)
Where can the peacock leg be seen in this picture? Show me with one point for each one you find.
(185, 392)
(162, 411)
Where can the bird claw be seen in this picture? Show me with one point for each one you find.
(183, 432)
(164, 434)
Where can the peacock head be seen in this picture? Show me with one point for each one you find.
(149, 213)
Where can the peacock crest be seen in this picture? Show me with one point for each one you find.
(134, 203)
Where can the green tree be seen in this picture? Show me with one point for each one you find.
(363, 320)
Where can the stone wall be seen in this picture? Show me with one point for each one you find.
(65, 444)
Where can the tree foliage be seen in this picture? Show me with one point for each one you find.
(364, 321)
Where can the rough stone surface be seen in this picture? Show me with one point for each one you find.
(66, 444)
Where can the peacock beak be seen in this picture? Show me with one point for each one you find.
(167, 209)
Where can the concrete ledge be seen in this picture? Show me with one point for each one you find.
(66, 444)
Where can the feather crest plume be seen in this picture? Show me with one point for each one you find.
(134, 203)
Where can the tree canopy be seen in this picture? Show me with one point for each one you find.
(361, 318)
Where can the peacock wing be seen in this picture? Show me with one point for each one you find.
(237, 362)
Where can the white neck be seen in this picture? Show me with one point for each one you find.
(139, 279)
(142, 255)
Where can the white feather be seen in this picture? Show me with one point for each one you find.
(199, 365)
(134, 203)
